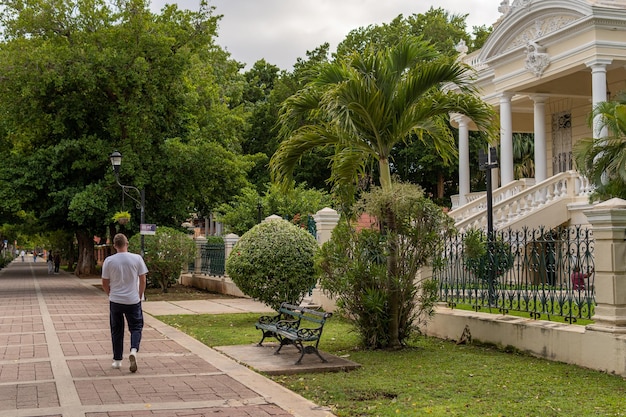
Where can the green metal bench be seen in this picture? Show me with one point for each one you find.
(295, 325)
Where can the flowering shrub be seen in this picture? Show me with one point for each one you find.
(273, 263)
(166, 252)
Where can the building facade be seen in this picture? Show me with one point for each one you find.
(544, 67)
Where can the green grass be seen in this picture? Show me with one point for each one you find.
(431, 377)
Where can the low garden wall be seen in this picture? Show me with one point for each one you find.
(568, 343)
(217, 284)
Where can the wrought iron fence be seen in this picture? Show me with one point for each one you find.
(213, 259)
(539, 271)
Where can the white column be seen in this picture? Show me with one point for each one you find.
(506, 140)
(598, 89)
(464, 162)
(541, 162)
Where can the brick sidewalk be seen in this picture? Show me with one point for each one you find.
(55, 360)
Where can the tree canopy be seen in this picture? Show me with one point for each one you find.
(82, 78)
(364, 105)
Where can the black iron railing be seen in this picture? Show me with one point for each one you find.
(213, 259)
(543, 272)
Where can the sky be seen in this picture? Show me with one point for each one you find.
(280, 31)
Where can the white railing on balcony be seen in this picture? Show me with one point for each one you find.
(520, 199)
(477, 202)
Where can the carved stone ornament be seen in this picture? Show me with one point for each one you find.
(461, 48)
(505, 8)
(537, 60)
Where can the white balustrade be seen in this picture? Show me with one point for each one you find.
(518, 199)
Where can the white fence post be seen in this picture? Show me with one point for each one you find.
(200, 240)
(325, 221)
(229, 241)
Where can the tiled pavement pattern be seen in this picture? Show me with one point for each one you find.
(55, 360)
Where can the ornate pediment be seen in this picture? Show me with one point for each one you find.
(538, 29)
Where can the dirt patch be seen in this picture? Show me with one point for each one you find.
(178, 292)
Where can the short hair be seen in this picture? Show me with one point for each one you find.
(120, 240)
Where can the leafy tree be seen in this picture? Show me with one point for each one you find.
(82, 78)
(480, 35)
(441, 28)
(166, 253)
(266, 90)
(244, 211)
(353, 265)
(273, 263)
(417, 161)
(603, 160)
(363, 106)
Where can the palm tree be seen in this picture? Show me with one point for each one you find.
(603, 160)
(523, 155)
(366, 104)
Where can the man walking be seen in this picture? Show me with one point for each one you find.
(124, 281)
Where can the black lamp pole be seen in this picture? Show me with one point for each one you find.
(116, 161)
(487, 162)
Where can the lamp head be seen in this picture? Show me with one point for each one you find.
(116, 161)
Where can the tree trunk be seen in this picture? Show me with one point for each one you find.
(385, 174)
(440, 185)
(86, 264)
(392, 260)
(392, 280)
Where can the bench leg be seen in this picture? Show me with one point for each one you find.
(308, 349)
(284, 342)
(265, 334)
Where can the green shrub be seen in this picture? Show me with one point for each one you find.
(476, 255)
(5, 260)
(354, 265)
(273, 263)
(166, 252)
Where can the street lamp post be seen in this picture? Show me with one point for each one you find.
(486, 163)
(116, 161)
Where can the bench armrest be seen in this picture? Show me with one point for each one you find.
(308, 333)
(268, 319)
(288, 325)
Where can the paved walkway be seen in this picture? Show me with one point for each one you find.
(55, 360)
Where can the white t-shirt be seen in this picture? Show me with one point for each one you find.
(122, 270)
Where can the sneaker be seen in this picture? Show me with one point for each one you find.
(133, 360)
(116, 364)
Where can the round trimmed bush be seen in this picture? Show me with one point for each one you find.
(273, 263)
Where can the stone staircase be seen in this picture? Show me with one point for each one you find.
(557, 200)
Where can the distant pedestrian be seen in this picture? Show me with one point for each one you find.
(50, 262)
(578, 279)
(124, 281)
(34, 256)
(57, 262)
(22, 254)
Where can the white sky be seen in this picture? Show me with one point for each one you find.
(283, 30)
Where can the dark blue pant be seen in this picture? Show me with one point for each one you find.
(134, 318)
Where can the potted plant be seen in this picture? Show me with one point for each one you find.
(122, 217)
